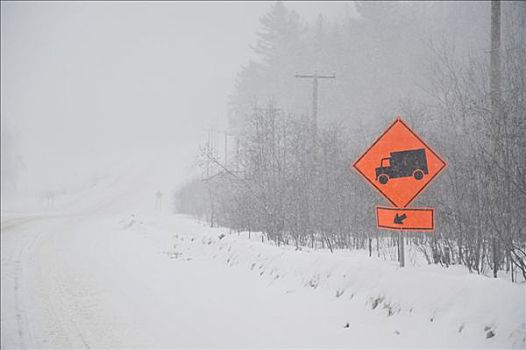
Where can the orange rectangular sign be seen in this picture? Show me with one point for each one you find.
(414, 219)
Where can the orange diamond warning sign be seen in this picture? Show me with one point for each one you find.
(399, 164)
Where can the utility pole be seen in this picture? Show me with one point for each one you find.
(497, 118)
(213, 156)
(210, 153)
(314, 120)
(312, 149)
(210, 148)
(495, 58)
(225, 132)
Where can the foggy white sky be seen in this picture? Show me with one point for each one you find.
(87, 84)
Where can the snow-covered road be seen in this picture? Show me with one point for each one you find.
(77, 281)
(108, 279)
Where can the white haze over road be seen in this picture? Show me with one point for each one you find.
(86, 85)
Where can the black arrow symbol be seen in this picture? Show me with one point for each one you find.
(400, 219)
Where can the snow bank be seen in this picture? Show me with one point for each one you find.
(469, 310)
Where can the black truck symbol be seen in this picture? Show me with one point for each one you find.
(411, 163)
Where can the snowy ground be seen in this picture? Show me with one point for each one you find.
(104, 276)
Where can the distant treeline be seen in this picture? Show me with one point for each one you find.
(430, 63)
